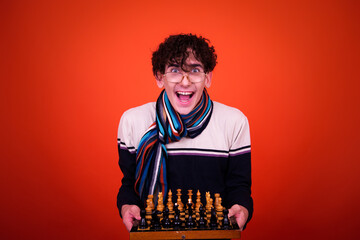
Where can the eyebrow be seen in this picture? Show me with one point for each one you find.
(173, 65)
(195, 65)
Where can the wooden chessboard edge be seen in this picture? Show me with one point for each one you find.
(186, 234)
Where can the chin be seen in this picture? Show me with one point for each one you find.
(183, 111)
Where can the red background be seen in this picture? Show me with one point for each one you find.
(69, 69)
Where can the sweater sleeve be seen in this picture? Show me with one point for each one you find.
(127, 163)
(238, 180)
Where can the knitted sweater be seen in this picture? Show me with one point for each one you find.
(218, 160)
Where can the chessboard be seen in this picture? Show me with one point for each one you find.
(184, 221)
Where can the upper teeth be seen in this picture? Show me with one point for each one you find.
(184, 93)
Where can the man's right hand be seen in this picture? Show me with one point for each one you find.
(129, 214)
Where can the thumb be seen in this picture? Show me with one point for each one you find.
(136, 213)
(233, 211)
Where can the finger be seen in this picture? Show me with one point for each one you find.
(231, 212)
(128, 224)
(136, 214)
(241, 222)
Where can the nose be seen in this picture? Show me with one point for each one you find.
(185, 80)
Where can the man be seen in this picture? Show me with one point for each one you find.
(184, 140)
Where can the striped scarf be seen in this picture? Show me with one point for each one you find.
(169, 127)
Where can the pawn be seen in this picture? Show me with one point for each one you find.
(213, 219)
(143, 224)
(190, 221)
(177, 221)
(202, 220)
(155, 220)
(166, 223)
(226, 221)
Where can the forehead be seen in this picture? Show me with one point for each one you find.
(190, 62)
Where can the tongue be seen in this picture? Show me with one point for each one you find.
(184, 98)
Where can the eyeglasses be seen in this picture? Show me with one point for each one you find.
(177, 77)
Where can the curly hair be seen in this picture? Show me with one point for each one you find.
(175, 50)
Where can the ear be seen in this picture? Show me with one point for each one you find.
(208, 79)
(159, 80)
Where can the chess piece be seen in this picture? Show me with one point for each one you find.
(219, 210)
(143, 224)
(197, 205)
(188, 204)
(166, 223)
(177, 220)
(151, 198)
(148, 211)
(155, 220)
(160, 204)
(180, 205)
(202, 221)
(190, 221)
(208, 208)
(190, 195)
(225, 222)
(170, 205)
(179, 202)
(213, 219)
(216, 202)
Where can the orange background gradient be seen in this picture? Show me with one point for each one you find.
(69, 69)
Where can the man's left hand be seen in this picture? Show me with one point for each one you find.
(240, 213)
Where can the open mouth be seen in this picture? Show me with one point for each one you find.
(184, 96)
